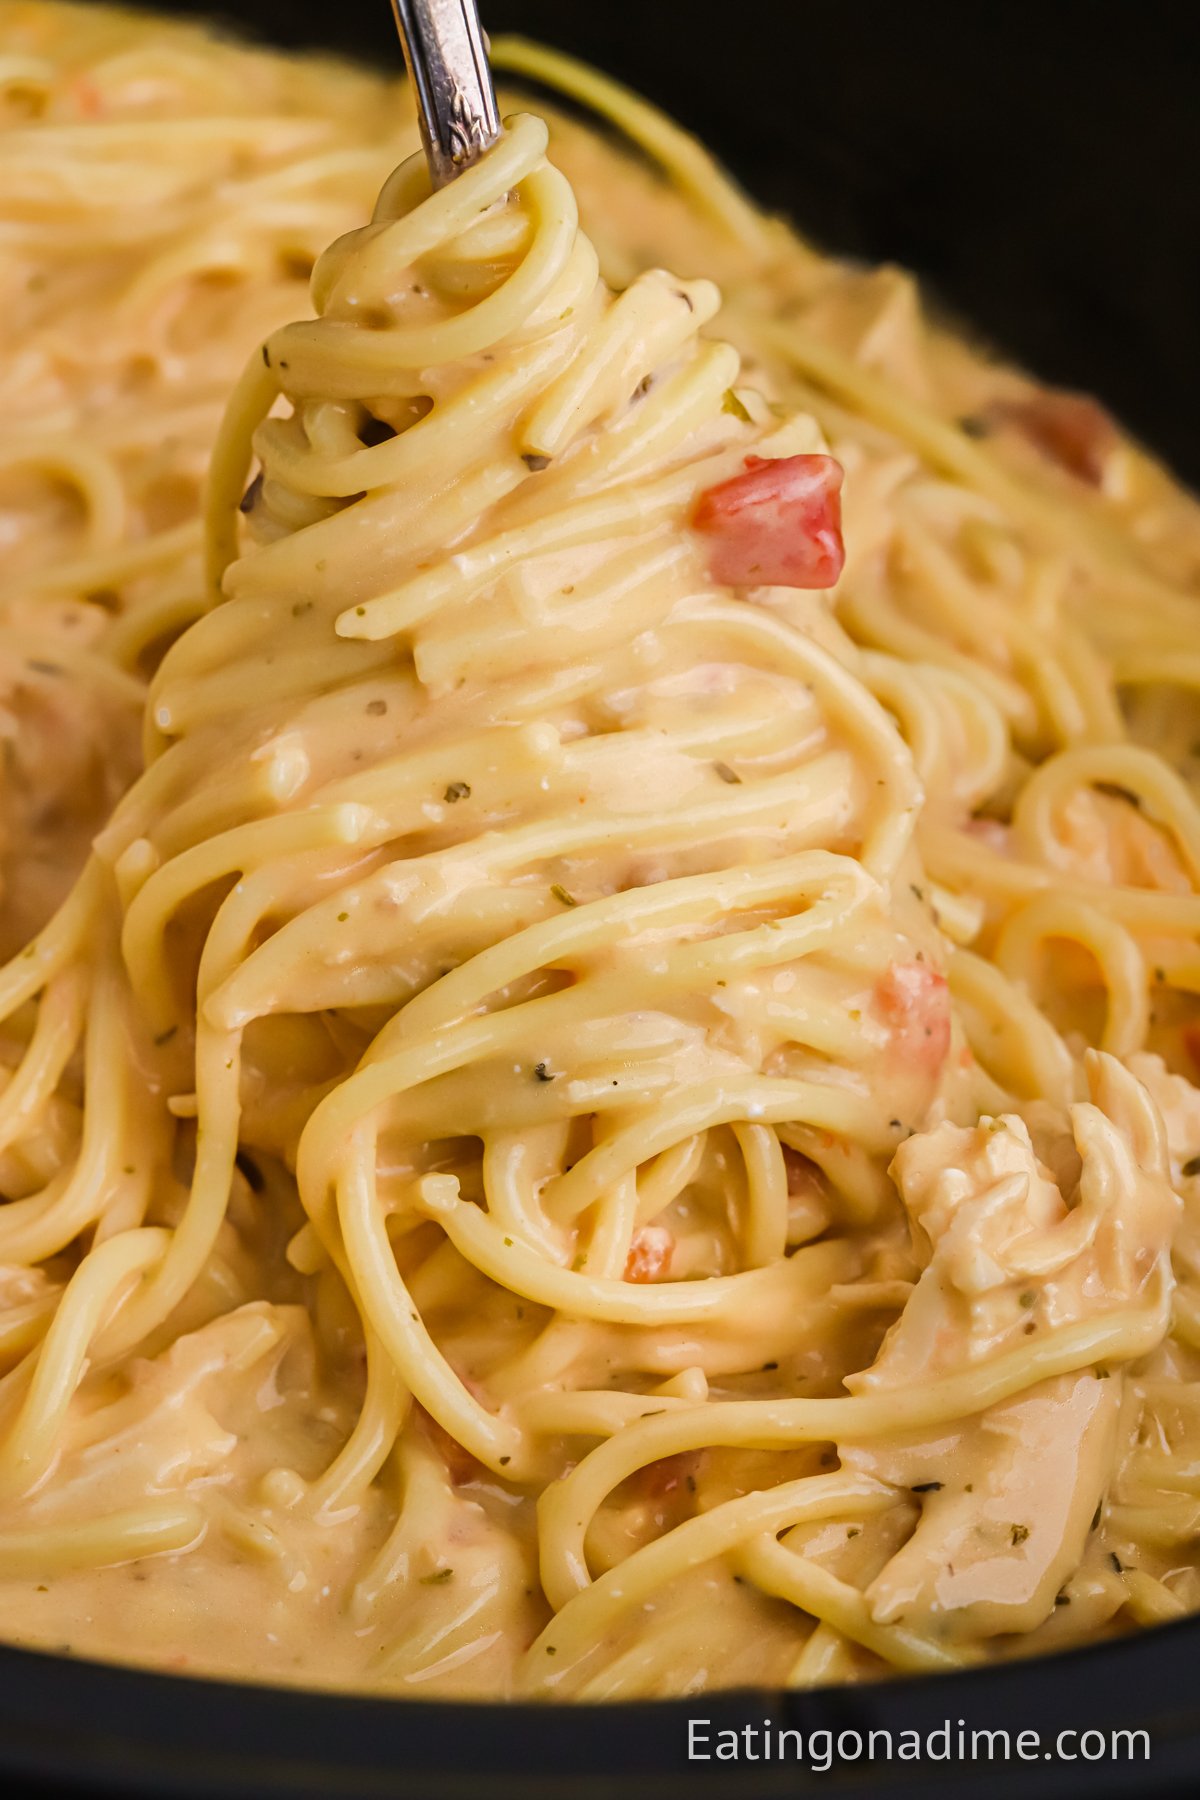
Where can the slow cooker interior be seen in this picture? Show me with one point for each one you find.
(1009, 156)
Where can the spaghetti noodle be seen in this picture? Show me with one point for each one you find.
(600, 1118)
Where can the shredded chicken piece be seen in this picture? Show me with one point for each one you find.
(874, 316)
(174, 1419)
(1108, 840)
(1008, 1497)
(1178, 1103)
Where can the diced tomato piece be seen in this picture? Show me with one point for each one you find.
(461, 1466)
(88, 99)
(778, 525)
(659, 1481)
(990, 832)
(915, 1001)
(1073, 430)
(804, 1178)
(649, 1254)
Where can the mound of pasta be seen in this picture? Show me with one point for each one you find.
(602, 1105)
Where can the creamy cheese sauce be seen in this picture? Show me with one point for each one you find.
(746, 1270)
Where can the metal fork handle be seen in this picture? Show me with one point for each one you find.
(447, 62)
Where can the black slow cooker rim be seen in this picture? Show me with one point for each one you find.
(70, 1724)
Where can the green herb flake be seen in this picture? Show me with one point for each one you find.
(542, 1072)
(458, 790)
(727, 774)
(536, 463)
(1019, 1533)
(731, 404)
(1028, 1298)
(561, 895)
(439, 1578)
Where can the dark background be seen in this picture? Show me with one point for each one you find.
(1039, 164)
